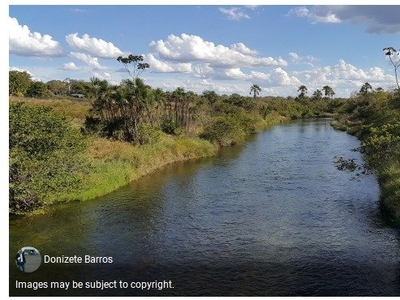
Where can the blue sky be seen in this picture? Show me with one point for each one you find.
(225, 48)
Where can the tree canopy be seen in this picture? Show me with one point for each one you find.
(44, 156)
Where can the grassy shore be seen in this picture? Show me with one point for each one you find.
(113, 164)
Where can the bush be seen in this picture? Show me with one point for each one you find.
(147, 134)
(44, 156)
(224, 131)
(169, 126)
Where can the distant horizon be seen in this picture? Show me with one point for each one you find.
(224, 48)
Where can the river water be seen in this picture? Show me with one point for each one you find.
(271, 218)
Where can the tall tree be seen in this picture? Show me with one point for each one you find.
(57, 87)
(211, 96)
(18, 82)
(255, 90)
(303, 91)
(328, 91)
(394, 58)
(317, 95)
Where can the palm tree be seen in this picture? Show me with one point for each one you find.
(303, 91)
(255, 90)
(328, 91)
(317, 95)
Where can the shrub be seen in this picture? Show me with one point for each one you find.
(44, 156)
(169, 126)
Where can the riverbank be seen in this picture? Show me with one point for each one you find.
(115, 163)
(373, 119)
(111, 164)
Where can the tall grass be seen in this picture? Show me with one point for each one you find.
(115, 163)
(389, 180)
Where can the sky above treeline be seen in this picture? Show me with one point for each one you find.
(225, 48)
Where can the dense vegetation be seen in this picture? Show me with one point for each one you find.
(374, 117)
(68, 149)
(45, 156)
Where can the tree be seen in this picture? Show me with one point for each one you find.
(394, 58)
(136, 61)
(365, 88)
(38, 89)
(255, 90)
(44, 156)
(57, 87)
(317, 95)
(211, 96)
(120, 111)
(328, 91)
(18, 82)
(303, 91)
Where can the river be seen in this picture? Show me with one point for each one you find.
(273, 217)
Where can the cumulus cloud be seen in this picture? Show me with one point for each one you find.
(295, 58)
(235, 73)
(70, 66)
(159, 66)
(26, 43)
(280, 77)
(234, 13)
(191, 48)
(93, 46)
(343, 75)
(92, 62)
(380, 19)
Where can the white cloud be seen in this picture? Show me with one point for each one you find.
(234, 13)
(235, 73)
(191, 48)
(343, 76)
(26, 43)
(280, 77)
(93, 46)
(316, 15)
(295, 58)
(166, 67)
(240, 47)
(92, 62)
(70, 66)
(259, 76)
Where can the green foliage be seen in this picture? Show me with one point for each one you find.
(38, 89)
(147, 134)
(44, 156)
(57, 87)
(382, 144)
(169, 126)
(225, 131)
(18, 82)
